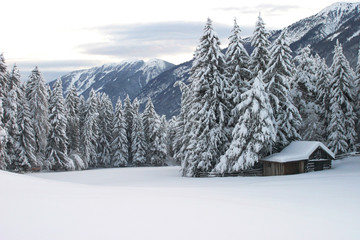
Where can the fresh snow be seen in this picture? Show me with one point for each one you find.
(157, 203)
(298, 150)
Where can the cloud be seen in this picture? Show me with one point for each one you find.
(152, 39)
(269, 9)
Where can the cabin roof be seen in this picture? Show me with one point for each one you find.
(298, 150)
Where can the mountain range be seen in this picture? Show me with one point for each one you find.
(155, 78)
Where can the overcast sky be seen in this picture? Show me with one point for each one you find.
(62, 36)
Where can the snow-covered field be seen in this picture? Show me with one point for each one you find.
(157, 203)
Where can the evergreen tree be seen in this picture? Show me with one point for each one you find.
(90, 131)
(12, 103)
(138, 137)
(118, 145)
(253, 134)
(106, 116)
(278, 77)
(151, 123)
(304, 95)
(128, 117)
(260, 56)
(37, 95)
(238, 73)
(162, 147)
(56, 153)
(181, 126)
(209, 108)
(341, 129)
(171, 134)
(3, 134)
(72, 103)
(4, 77)
(322, 98)
(357, 99)
(27, 159)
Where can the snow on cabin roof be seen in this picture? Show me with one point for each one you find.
(298, 150)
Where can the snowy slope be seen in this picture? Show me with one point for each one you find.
(325, 22)
(156, 203)
(127, 77)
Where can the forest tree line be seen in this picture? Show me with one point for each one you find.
(239, 108)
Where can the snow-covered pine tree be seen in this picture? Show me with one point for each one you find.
(138, 137)
(56, 152)
(128, 117)
(171, 137)
(322, 97)
(4, 77)
(341, 130)
(90, 131)
(278, 76)
(254, 133)
(11, 105)
(106, 115)
(357, 99)
(3, 134)
(72, 103)
(155, 135)
(238, 73)
(163, 141)
(209, 109)
(181, 126)
(27, 159)
(118, 145)
(303, 92)
(37, 95)
(259, 58)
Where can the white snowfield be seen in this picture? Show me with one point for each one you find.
(157, 203)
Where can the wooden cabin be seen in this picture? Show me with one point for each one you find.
(298, 157)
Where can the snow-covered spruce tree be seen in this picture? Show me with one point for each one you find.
(11, 107)
(27, 159)
(341, 130)
(128, 118)
(3, 135)
(209, 109)
(37, 95)
(4, 77)
(259, 58)
(90, 131)
(254, 132)
(278, 76)
(163, 140)
(56, 152)
(106, 115)
(156, 147)
(72, 103)
(303, 92)
(181, 126)
(357, 99)
(322, 97)
(118, 144)
(171, 133)
(238, 73)
(138, 137)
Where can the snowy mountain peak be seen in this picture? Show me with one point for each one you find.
(339, 7)
(116, 79)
